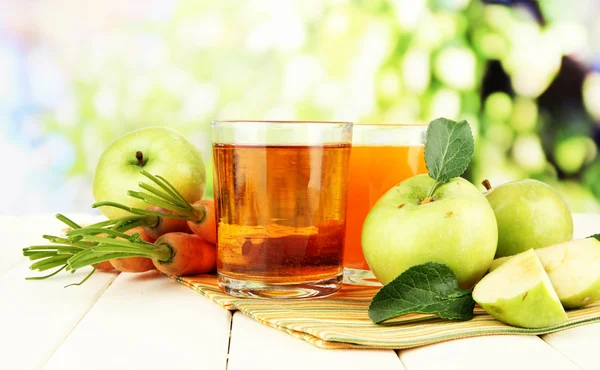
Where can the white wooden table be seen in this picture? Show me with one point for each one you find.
(146, 321)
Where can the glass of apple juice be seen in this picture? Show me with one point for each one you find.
(383, 155)
(280, 196)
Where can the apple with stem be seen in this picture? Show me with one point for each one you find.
(519, 293)
(530, 214)
(457, 228)
(435, 217)
(159, 150)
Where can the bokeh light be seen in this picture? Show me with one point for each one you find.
(75, 76)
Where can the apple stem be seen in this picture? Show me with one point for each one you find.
(486, 183)
(427, 200)
(140, 157)
(429, 197)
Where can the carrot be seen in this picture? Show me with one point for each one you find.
(190, 255)
(173, 253)
(154, 220)
(166, 201)
(167, 211)
(56, 256)
(206, 228)
(166, 224)
(134, 264)
(84, 246)
(104, 266)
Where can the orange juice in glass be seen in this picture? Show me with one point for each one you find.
(382, 156)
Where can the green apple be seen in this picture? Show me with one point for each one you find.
(158, 150)
(530, 214)
(457, 228)
(573, 268)
(519, 293)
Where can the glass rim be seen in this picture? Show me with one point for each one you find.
(394, 135)
(393, 125)
(283, 122)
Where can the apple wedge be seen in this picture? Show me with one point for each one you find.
(573, 268)
(497, 262)
(519, 293)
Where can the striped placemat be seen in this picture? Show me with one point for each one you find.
(341, 320)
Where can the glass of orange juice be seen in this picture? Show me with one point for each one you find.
(382, 156)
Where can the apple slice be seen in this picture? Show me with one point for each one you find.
(573, 268)
(519, 293)
(497, 262)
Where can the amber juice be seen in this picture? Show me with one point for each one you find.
(281, 212)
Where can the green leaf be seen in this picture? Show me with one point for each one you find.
(595, 236)
(448, 149)
(429, 288)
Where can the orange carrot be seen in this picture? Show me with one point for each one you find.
(167, 211)
(134, 264)
(207, 227)
(166, 224)
(104, 266)
(173, 253)
(190, 255)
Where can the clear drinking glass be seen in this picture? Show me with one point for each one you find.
(281, 195)
(382, 156)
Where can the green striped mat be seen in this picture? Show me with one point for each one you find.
(341, 320)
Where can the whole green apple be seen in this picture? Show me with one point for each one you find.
(519, 293)
(573, 268)
(158, 150)
(457, 228)
(530, 214)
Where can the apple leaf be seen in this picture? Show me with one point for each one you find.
(429, 288)
(448, 149)
(595, 236)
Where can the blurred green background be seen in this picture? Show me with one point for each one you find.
(76, 75)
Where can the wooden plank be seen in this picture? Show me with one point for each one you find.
(579, 344)
(147, 321)
(36, 316)
(499, 352)
(10, 251)
(256, 346)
